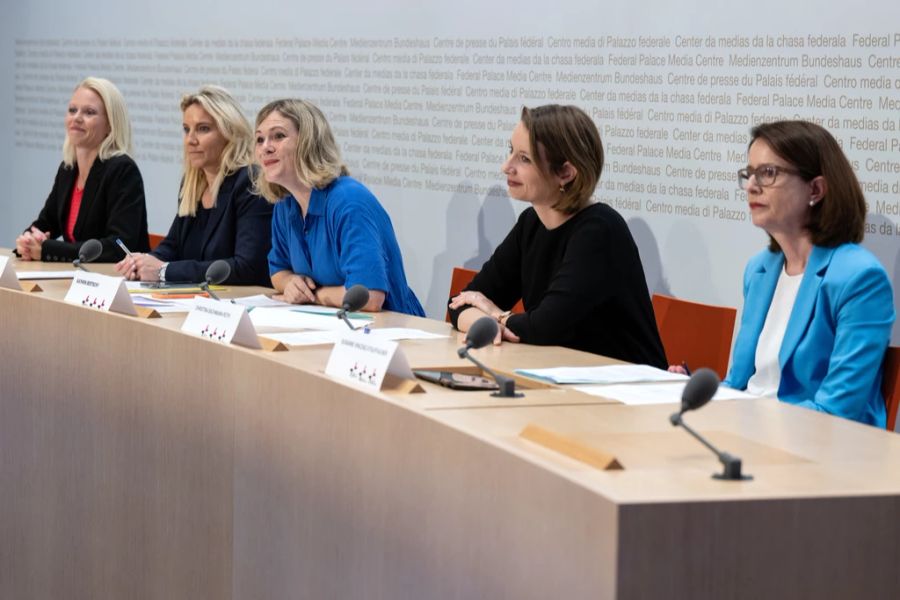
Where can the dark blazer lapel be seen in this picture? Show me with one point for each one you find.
(95, 176)
(63, 201)
(223, 198)
(805, 302)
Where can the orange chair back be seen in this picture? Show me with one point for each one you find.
(155, 240)
(890, 386)
(461, 278)
(694, 333)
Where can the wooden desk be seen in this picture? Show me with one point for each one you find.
(139, 462)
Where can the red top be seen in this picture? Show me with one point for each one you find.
(74, 207)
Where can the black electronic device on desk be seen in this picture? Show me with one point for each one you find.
(457, 381)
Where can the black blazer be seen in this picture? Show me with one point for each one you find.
(112, 206)
(239, 231)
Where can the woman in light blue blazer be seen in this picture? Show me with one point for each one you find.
(818, 308)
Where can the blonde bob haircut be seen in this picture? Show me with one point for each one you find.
(318, 159)
(118, 141)
(560, 134)
(238, 151)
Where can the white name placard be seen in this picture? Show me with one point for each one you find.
(100, 292)
(364, 359)
(8, 277)
(223, 322)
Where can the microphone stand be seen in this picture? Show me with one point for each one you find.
(79, 265)
(342, 314)
(506, 385)
(205, 287)
(731, 465)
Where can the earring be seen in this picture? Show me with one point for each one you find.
(562, 189)
(812, 202)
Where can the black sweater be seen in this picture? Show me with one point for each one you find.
(582, 285)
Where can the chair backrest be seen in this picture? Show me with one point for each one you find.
(890, 385)
(694, 333)
(461, 278)
(155, 240)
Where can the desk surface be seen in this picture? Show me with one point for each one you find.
(150, 463)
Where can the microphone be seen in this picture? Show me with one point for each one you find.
(88, 252)
(480, 334)
(216, 273)
(700, 389)
(354, 299)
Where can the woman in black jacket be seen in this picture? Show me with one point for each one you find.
(98, 191)
(219, 217)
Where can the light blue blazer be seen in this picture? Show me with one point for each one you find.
(839, 328)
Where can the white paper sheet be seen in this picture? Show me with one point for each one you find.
(607, 374)
(315, 338)
(29, 275)
(654, 393)
(296, 320)
(260, 301)
(163, 306)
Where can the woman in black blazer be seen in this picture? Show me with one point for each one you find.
(219, 217)
(98, 191)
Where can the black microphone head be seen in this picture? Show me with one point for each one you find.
(90, 251)
(355, 298)
(481, 333)
(218, 272)
(699, 389)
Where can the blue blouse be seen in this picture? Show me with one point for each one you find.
(346, 239)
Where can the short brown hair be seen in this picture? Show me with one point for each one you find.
(318, 160)
(559, 134)
(841, 215)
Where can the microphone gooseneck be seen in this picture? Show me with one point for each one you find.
(216, 273)
(354, 299)
(88, 252)
(480, 334)
(698, 391)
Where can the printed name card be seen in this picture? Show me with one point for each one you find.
(102, 292)
(363, 359)
(223, 322)
(9, 279)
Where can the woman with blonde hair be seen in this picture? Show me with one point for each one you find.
(98, 192)
(328, 231)
(219, 216)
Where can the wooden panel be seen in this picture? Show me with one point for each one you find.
(139, 462)
(115, 457)
(832, 548)
(345, 496)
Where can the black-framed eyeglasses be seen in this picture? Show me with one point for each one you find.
(765, 175)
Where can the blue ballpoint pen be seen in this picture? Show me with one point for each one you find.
(123, 247)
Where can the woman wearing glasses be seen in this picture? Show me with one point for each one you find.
(818, 308)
